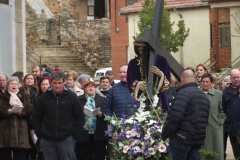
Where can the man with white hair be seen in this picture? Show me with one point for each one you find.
(231, 107)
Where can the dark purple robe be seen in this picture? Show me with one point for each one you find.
(135, 74)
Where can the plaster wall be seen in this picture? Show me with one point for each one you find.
(196, 47)
(235, 41)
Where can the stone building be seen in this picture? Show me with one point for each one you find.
(69, 28)
(12, 36)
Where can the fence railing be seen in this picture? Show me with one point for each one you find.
(31, 57)
(229, 71)
(213, 62)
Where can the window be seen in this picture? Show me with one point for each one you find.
(90, 10)
(130, 2)
(224, 35)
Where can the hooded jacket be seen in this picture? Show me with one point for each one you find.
(56, 118)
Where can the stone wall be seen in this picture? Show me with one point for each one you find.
(95, 35)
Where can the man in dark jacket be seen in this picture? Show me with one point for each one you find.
(119, 99)
(3, 83)
(231, 107)
(58, 119)
(187, 119)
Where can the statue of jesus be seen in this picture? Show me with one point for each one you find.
(138, 71)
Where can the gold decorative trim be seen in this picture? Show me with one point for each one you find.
(166, 85)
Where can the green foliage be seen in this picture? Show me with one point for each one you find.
(170, 39)
(207, 156)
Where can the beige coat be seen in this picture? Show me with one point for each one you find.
(77, 90)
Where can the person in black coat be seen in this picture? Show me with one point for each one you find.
(92, 139)
(187, 119)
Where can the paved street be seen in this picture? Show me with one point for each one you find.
(229, 151)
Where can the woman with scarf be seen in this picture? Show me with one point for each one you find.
(13, 123)
(71, 80)
(92, 139)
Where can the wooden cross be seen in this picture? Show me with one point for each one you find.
(151, 39)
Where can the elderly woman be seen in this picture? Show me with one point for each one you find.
(71, 79)
(214, 132)
(93, 136)
(13, 123)
(83, 79)
(201, 69)
(104, 87)
(226, 82)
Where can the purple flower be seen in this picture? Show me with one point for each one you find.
(151, 105)
(107, 132)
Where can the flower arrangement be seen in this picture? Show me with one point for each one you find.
(139, 136)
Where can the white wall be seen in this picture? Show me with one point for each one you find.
(235, 41)
(196, 48)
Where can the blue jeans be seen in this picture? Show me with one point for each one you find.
(182, 151)
(64, 148)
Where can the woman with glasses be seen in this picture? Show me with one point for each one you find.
(92, 139)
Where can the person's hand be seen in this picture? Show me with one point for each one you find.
(156, 71)
(32, 132)
(99, 114)
(143, 86)
(18, 112)
(10, 111)
(224, 84)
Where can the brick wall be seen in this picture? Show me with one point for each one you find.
(119, 40)
(217, 16)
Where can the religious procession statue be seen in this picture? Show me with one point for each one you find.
(138, 71)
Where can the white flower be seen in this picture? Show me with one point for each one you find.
(125, 149)
(120, 145)
(159, 130)
(167, 144)
(149, 132)
(114, 122)
(130, 120)
(140, 117)
(152, 151)
(162, 148)
(155, 100)
(136, 149)
(146, 137)
(152, 140)
(133, 143)
(129, 134)
(151, 122)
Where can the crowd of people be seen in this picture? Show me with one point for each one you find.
(53, 106)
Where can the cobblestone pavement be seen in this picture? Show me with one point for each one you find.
(229, 151)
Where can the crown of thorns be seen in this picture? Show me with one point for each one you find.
(139, 45)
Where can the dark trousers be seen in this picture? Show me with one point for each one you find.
(182, 151)
(235, 147)
(86, 149)
(64, 148)
(32, 151)
(18, 153)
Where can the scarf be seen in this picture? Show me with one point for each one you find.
(90, 123)
(14, 100)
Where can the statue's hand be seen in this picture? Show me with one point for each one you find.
(143, 86)
(156, 71)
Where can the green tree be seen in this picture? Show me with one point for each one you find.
(170, 39)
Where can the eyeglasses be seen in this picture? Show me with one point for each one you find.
(90, 87)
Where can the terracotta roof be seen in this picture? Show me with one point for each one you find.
(137, 7)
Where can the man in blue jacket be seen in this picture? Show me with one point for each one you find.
(187, 120)
(119, 99)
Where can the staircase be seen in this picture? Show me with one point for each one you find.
(63, 56)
